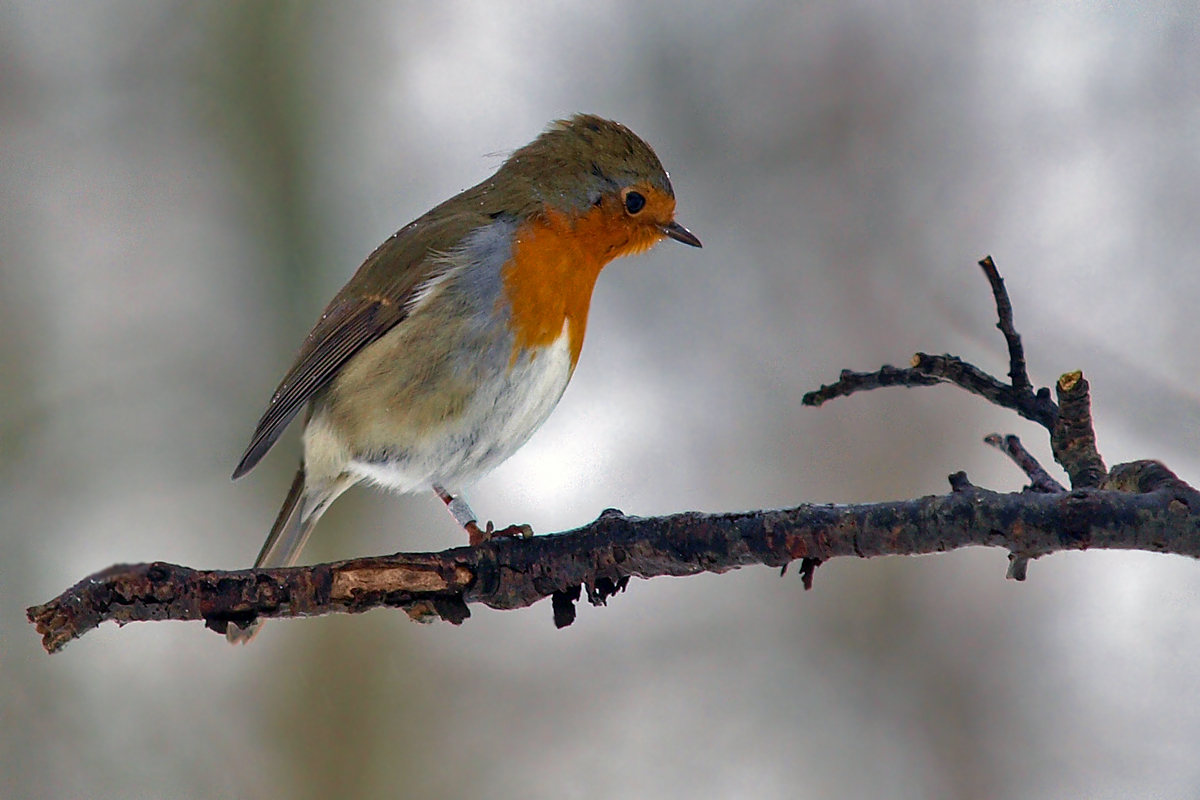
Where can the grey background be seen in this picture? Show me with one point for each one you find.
(184, 185)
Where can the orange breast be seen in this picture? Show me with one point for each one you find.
(556, 260)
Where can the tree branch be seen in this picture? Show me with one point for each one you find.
(1071, 437)
(602, 556)
(1039, 479)
(927, 370)
(1016, 354)
(1137, 506)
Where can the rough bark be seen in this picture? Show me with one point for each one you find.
(602, 556)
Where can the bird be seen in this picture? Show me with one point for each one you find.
(456, 338)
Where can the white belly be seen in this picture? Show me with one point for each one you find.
(498, 419)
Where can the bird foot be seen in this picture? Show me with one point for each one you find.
(479, 535)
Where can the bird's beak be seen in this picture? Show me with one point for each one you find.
(681, 234)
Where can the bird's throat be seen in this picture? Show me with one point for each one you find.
(556, 259)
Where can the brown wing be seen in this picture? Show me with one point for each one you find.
(372, 303)
(344, 329)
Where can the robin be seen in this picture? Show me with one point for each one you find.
(456, 338)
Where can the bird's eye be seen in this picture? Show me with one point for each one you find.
(634, 202)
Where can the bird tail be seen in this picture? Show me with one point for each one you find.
(299, 514)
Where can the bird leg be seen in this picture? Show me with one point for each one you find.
(465, 517)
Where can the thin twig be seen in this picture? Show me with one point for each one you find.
(930, 370)
(850, 382)
(1038, 408)
(1017, 371)
(927, 370)
(1039, 479)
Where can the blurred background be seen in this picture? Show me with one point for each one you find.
(183, 186)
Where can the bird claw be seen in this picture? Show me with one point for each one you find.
(480, 535)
